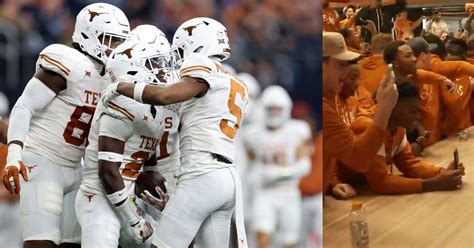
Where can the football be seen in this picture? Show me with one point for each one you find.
(148, 180)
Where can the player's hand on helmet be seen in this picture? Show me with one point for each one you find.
(142, 230)
(109, 93)
(11, 176)
(156, 202)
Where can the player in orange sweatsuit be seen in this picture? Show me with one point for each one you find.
(339, 143)
(431, 85)
(353, 97)
(457, 116)
(418, 175)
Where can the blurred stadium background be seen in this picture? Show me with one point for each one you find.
(277, 41)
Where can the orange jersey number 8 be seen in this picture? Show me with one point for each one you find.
(235, 110)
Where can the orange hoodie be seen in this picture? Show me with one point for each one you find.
(397, 151)
(372, 71)
(430, 93)
(312, 183)
(349, 108)
(457, 114)
(339, 143)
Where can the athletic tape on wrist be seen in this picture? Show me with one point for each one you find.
(14, 154)
(138, 91)
(110, 156)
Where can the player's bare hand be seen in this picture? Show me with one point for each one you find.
(387, 93)
(445, 180)
(343, 191)
(460, 167)
(156, 202)
(142, 230)
(11, 177)
(448, 85)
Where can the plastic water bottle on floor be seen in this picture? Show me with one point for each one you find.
(359, 226)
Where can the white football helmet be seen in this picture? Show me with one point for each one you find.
(252, 84)
(276, 97)
(94, 24)
(134, 61)
(151, 35)
(201, 35)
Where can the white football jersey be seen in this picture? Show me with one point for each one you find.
(279, 147)
(167, 153)
(210, 123)
(143, 130)
(59, 132)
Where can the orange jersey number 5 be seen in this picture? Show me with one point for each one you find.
(235, 110)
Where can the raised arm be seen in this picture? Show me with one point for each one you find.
(181, 91)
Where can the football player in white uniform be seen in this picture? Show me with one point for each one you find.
(168, 149)
(208, 189)
(50, 123)
(123, 138)
(279, 148)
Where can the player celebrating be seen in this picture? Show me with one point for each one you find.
(50, 123)
(123, 138)
(167, 151)
(281, 149)
(208, 188)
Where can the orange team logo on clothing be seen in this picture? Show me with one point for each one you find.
(349, 108)
(430, 94)
(457, 112)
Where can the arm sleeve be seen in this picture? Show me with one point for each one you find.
(411, 166)
(382, 183)
(120, 129)
(36, 96)
(341, 144)
(428, 77)
(454, 69)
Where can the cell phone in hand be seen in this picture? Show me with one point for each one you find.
(456, 158)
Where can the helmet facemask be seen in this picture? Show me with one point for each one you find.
(160, 66)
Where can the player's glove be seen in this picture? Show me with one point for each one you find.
(15, 167)
(109, 93)
(156, 202)
(141, 228)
